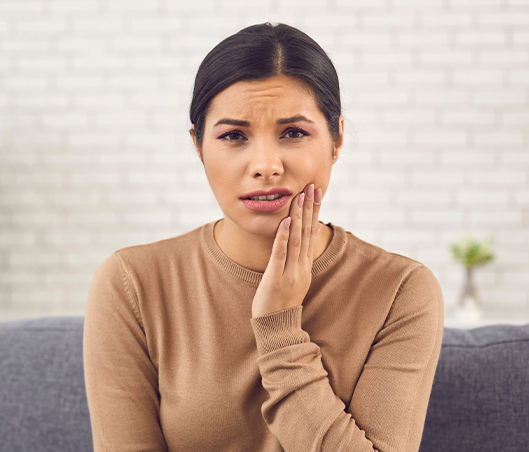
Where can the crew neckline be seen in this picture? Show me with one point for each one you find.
(254, 277)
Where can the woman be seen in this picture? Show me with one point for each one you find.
(266, 330)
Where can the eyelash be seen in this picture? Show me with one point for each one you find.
(296, 130)
(231, 132)
(238, 132)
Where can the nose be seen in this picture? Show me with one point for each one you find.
(266, 161)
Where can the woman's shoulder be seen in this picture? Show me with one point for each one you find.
(376, 263)
(389, 275)
(359, 249)
(181, 241)
(162, 253)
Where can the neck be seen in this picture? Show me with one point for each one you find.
(235, 244)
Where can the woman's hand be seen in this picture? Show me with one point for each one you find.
(287, 277)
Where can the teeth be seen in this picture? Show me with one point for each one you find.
(266, 198)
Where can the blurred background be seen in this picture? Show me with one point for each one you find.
(95, 153)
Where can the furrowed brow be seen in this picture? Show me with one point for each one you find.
(240, 123)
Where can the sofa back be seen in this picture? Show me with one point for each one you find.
(480, 394)
(43, 404)
(479, 400)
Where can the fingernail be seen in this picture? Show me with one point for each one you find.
(318, 195)
(286, 223)
(310, 191)
(301, 199)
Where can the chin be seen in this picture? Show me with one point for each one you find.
(263, 226)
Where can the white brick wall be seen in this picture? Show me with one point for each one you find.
(95, 152)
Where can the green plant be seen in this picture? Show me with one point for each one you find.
(472, 253)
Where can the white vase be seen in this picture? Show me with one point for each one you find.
(469, 311)
(468, 308)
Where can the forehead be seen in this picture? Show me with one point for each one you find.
(275, 97)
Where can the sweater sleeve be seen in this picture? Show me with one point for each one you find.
(389, 402)
(121, 380)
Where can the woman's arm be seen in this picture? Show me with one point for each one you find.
(121, 381)
(389, 403)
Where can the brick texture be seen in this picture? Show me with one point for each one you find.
(95, 152)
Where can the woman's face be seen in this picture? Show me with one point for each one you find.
(268, 136)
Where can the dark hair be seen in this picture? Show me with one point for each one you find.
(262, 51)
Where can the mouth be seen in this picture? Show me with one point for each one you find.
(267, 195)
(266, 201)
(266, 198)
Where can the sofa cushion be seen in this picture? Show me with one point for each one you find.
(479, 400)
(42, 394)
(480, 393)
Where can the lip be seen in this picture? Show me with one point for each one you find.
(272, 191)
(266, 206)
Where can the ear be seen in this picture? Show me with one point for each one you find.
(198, 149)
(338, 144)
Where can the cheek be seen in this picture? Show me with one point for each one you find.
(322, 179)
(322, 173)
(317, 163)
(220, 173)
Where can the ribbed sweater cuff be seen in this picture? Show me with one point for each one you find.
(279, 329)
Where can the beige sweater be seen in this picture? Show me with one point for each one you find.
(173, 360)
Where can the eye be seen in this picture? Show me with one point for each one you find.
(234, 135)
(295, 133)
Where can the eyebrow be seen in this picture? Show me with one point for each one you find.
(296, 118)
(237, 122)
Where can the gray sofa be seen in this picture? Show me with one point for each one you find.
(479, 401)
